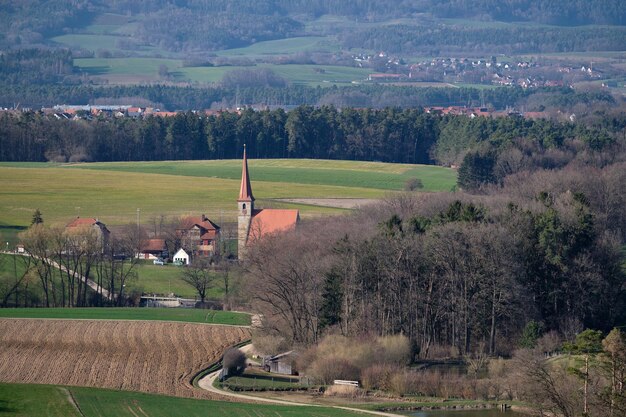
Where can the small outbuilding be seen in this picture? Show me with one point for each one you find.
(283, 363)
(181, 257)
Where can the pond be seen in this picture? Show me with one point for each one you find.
(494, 412)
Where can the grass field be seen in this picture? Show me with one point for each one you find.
(148, 68)
(285, 46)
(22, 400)
(113, 192)
(156, 279)
(114, 313)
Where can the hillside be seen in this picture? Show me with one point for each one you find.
(113, 192)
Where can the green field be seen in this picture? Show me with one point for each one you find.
(285, 46)
(148, 68)
(114, 191)
(21, 400)
(190, 315)
(156, 279)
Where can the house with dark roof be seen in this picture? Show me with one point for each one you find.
(254, 224)
(198, 235)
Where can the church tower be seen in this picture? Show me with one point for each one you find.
(245, 205)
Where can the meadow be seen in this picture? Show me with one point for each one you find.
(114, 191)
(21, 400)
(166, 279)
(129, 69)
(187, 315)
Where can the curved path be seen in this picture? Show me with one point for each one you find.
(207, 384)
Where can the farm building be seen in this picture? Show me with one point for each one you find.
(89, 223)
(153, 249)
(283, 363)
(253, 224)
(198, 235)
(181, 257)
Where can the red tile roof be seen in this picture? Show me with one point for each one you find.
(245, 190)
(268, 221)
(78, 222)
(154, 245)
(200, 221)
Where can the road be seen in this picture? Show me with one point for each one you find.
(207, 384)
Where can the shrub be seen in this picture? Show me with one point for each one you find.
(378, 376)
(234, 362)
(326, 369)
(396, 349)
(413, 184)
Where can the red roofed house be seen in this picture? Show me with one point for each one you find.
(253, 224)
(198, 235)
(90, 223)
(153, 249)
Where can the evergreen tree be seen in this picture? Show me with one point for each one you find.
(330, 311)
(37, 218)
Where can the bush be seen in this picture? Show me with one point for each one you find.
(234, 362)
(396, 349)
(378, 376)
(328, 368)
(413, 184)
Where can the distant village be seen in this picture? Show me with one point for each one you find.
(90, 112)
(522, 73)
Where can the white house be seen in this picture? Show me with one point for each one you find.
(181, 257)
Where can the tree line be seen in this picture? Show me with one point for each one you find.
(389, 135)
(444, 38)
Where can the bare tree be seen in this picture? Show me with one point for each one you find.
(201, 276)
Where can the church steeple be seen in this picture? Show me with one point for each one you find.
(245, 191)
(245, 208)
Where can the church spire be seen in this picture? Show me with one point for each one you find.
(245, 191)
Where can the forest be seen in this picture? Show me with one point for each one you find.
(389, 135)
(201, 25)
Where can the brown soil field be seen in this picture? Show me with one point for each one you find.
(147, 356)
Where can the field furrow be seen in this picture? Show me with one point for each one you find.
(148, 356)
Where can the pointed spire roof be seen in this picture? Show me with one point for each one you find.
(245, 191)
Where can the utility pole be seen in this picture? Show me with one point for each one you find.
(138, 211)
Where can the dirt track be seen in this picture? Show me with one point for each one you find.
(147, 356)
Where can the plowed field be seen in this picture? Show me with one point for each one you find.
(148, 356)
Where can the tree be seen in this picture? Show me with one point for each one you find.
(614, 346)
(530, 335)
(588, 343)
(37, 218)
(332, 296)
(476, 170)
(234, 362)
(200, 275)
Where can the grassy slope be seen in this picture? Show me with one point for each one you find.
(20, 400)
(114, 313)
(113, 193)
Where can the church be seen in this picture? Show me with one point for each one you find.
(254, 224)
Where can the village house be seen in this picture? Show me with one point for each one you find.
(254, 224)
(90, 223)
(198, 235)
(181, 257)
(153, 249)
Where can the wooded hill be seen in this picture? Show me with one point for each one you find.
(202, 25)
